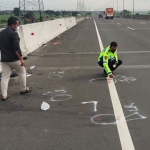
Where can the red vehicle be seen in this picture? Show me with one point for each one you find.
(109, 13)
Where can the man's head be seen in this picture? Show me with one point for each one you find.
(13, 23)
(113, 46)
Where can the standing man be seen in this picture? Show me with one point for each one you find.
(108, 59)
(11, 57)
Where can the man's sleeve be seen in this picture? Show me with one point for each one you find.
(116, 56)
(16, 43)
(0, 41)
(106, 50)
(105, 64)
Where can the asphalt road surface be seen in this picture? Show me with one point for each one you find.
(68, 78)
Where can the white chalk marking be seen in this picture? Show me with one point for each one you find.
(60, 91)
(124, 79)
(124, 134)
(62, 97)
(92, 102)
(130, 28)
(134, 108)
(136, 116)
(101, 121)
(54, 93)
(54, 76)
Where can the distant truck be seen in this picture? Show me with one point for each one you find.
(109, 13)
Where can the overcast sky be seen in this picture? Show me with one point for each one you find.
(72, 4)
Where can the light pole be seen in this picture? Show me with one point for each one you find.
(113, 3)
(117, 8)
(133, 7)
(123, 9)
(133, 10)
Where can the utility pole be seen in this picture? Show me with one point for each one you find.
(113, 3)
(34, 5)
(78, 5)
(123, 9)
(133, 7)
(117, 8)
(132, 11)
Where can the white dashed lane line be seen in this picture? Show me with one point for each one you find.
(130, 28)
(118, 23)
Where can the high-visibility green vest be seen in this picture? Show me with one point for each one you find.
(105, 55)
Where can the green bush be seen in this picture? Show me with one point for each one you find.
(3, 21)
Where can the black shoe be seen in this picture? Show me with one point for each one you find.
(13, 75)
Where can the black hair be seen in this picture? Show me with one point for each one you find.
(12, 20)
(113, 44)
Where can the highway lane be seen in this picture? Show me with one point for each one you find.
(68, 77)
(136, 92)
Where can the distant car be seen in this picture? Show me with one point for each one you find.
(100, 16)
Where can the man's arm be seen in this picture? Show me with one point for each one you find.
(20, 58)
(105, 64)
(16, 47)
(116, 56)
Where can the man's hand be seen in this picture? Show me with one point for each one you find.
(111, 76)
(22, 62)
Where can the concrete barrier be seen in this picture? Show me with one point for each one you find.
(79, 19)
(33, 36)
(37, 34)
(70, 22)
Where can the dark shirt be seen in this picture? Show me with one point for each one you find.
(9, 44)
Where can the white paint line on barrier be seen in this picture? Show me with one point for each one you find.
(130, 28)
(124, 134)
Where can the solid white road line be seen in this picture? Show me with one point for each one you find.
(130, 28)
(142, 22)
(88, 53)
(118, 23)
(124, 134)
(90, 67)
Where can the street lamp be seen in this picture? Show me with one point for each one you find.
(123, 9)
(133, 10)
(113, 3)
(133, 7)
(117, 8)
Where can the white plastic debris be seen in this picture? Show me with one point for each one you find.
(28, 75)
(45, 106)
(32, 67)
